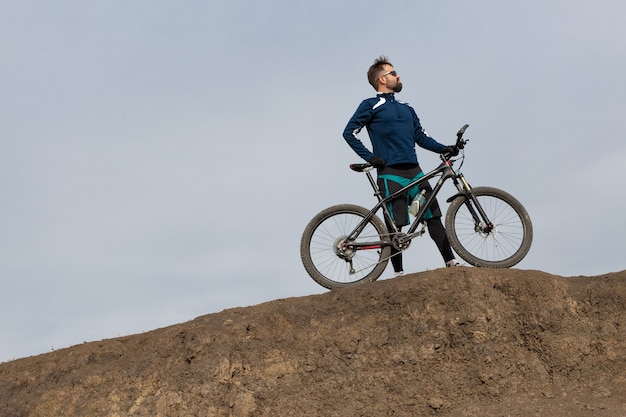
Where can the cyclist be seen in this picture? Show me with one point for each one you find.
(394, 129)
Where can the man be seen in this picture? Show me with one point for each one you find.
(394, 129)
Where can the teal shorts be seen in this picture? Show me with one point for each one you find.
(393, 178)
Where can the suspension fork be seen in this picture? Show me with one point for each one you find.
(465, 190)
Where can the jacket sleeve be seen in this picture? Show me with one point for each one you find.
(359, 120)
(422, 138)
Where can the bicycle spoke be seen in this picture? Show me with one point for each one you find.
(504, 243)
(334, 262)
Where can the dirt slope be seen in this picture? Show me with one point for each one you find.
(450, 342)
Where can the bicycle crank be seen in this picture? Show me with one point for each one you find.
(400, 241)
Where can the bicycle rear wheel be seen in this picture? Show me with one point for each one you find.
(332, 261)
(502, 244)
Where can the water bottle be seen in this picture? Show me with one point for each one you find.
(417, 202)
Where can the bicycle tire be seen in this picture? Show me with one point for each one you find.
(322, 235)
(506, 245)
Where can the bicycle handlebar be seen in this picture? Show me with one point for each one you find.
(459, 134)
(460, 143)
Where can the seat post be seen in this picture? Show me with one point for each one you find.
(377, 193)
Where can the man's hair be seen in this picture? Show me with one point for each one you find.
(376, 70)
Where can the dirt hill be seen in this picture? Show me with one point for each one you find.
(449, 342)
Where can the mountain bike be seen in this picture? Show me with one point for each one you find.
(347, 244)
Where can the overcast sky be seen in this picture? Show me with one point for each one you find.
(160, 159)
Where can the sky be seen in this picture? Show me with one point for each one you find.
(159, 160)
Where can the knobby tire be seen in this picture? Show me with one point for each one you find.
(506, 245)
(325, 230)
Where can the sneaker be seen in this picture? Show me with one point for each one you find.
(398, 274)
(452, 262)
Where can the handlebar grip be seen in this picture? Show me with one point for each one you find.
(459, 134)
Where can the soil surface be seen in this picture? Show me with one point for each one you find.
(448, 342)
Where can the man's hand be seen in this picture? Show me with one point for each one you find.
(450, 151)
(377, 162)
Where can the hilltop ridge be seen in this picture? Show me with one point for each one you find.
(448, 342)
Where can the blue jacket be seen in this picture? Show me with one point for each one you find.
(393, 128)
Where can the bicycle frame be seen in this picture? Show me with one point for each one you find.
(446, 172)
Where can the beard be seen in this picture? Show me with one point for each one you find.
(398, 87)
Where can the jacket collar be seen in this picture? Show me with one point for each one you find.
(387, 96)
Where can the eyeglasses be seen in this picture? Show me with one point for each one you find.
(394, 73)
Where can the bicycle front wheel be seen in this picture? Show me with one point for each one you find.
(501, 243)
(333, 261)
